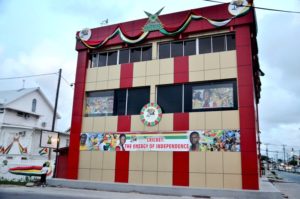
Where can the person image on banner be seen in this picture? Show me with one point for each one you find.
(83, 139)
(122, 139)
(194, 139)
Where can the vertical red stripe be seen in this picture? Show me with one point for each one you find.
(181, 69)
(181, 168)
(73, 156)
(124, 123)
(122, 166)
(181, 121)
(247, 109)
(126, 76)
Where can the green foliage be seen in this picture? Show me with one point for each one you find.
(13, 181)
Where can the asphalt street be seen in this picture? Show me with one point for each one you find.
(291, 177)
(291, 186)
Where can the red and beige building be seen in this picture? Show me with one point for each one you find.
(201, 68)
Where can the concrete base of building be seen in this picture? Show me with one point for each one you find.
(267, 190)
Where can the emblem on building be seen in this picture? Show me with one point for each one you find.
(151, 114)
(85, 34)
(153, 22)
(238, 7)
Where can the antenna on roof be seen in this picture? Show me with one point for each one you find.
(104, 22)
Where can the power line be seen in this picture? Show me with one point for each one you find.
(262, 8)
(26, 76)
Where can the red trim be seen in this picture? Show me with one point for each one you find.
(246, 109)
(181, 121)
(79, 93)
(181, 168)
(122, 166)
(124, 123)
(126, 76)
(181, 69)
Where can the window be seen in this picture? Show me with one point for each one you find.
(218, 43)
(124, 56)
(112, 58)
(146, 53)
(176, 49)
(190, 47)
(116, 102)
(94, 60)
(102, 59)
(230, 39)
(164, 50)
(204, 45)
(33, 107)
(1, 110)
(170, 98)
(135, 54)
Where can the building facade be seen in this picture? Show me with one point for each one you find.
(169, 100)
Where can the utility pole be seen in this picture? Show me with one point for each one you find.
(283, 153)
(267, 153)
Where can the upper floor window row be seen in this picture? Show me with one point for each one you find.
(200, 45)
(121, 56)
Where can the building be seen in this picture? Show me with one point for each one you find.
(169, 100)
(24, 113)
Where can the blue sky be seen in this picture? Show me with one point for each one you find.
(39, 37)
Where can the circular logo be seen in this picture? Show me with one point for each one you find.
(237, 7)
(85, 34)
(151, 114)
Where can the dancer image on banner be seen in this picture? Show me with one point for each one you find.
(122, 139)
(194, 139)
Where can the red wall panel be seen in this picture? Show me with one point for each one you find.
(180, 168)
(126, 76)
(181, 69)
(180, 121)
(122, 166)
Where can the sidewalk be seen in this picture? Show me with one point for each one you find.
(267, 191)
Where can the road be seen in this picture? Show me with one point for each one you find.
(291, 187)
(291, 177)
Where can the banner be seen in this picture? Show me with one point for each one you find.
(209, 140)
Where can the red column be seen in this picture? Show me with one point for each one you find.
(126, 76)
(247, 109)
(181, 69)
(79, 92)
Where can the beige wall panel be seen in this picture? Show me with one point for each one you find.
(195, 76)
(103, 85)
(96, 160)
(164, 178)
(87, 124)
(150, 161)
(83, 174)
(166, 66)
(149, 177)
(214, 180)
(111, 123)
(108, 175)
(196, 62)
(211, 61)
(90, 86)
(113, 84)
(152, 68)
(102, 73)
(166, 79)
(227, 73)
(109, 160)
(166, 123)
(212, 74)
(96, 175)
(85, 159)
(197, 162)
(138, 81)
(139, 69)
(154, 50)
(197, 120)
(214, 162)
(230, 120)
(165, 161)
(99, 124)
(114, 72)
(135, 177)
(232, 181)
(152, 80)
(91, 75)
(136, 123)
(197, 180)
(136, 161)
(232, 162)
(151, 128)
(152, 89)
(152, 97)
(228, 59)
(213, 120)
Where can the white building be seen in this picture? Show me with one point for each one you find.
(24, 113)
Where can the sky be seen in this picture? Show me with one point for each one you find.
(38, 37)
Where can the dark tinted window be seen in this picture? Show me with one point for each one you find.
(164, 50)
(137, 98)
(112, 58)
(230, 42)
(218, 43)
(102, 59)
(204, 45)
(124, 56)
(135, 54)
(176, 49)
(94, 60)
(146, 53)
(120, 102)
(190, 47)
(170, 98)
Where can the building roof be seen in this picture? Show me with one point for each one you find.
(9, 96)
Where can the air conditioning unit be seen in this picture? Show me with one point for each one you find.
(44, 124)
(26, 115)
(22, 133)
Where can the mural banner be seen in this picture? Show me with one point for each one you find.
(200, 140)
